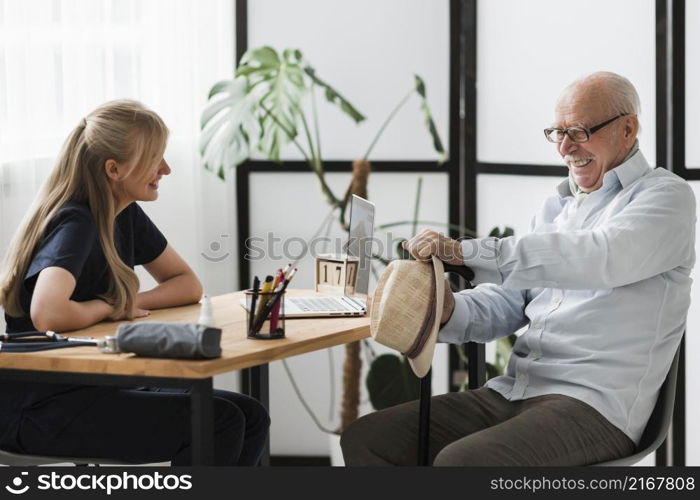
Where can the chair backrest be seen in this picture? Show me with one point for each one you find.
(659, 421)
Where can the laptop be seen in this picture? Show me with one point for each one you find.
(353, 302)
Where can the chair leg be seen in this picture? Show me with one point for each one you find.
(424, 420)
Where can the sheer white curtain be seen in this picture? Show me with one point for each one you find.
(59, 59)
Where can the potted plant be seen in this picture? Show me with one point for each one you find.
(264, 107)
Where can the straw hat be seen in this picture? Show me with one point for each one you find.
(406, 309)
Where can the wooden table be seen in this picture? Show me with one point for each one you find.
(88, 366)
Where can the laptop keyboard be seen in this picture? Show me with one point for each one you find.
(323, 304)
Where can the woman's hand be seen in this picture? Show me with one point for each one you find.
(136, 312)
(140, 313)
(428, 243)
(177, 283)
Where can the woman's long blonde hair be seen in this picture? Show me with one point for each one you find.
(124, 131)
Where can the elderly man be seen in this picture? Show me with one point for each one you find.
(602, 284)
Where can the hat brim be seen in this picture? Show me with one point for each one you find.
(421, 363)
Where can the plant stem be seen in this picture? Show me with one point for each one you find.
(330, 197)
(317, 164)
(386, 122)
(314, 158)
(416, 206)
(315, 115)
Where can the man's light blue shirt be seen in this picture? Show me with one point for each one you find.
(604, 289)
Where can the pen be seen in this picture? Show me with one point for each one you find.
(251, 313)
(266, 288)
(273, 301)
(275, 314)
(274, 318)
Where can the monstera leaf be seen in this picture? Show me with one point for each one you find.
(262, 107)
(427, 115)
(507, 231)
(334, 97)
(281, 82)
(228, 123)
(259, 108)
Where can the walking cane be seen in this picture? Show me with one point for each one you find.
(425, 384)
(424, 419)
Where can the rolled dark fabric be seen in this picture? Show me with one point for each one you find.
(170, 340)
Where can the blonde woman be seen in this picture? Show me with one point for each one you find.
(70, 265)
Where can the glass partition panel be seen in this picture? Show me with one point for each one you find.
(368, 51)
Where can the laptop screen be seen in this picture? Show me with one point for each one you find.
(359, 248)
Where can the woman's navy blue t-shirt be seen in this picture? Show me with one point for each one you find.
(72, 243)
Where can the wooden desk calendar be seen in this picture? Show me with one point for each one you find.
(336, 272)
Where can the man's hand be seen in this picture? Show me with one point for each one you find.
(448, 304)
(428, 243)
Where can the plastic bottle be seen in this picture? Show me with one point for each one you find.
(206, 315)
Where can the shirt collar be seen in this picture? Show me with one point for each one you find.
(632, 168)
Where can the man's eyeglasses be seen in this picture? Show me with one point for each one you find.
(576, 134)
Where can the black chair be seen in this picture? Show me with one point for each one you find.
(654, 433)
(659, 421)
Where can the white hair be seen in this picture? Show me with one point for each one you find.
(621, 95)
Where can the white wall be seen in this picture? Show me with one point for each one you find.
(529, 51)
(369, 51)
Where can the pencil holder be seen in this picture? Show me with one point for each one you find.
(265, 318)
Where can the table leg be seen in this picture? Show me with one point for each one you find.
(259, 388)
(202, 411)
